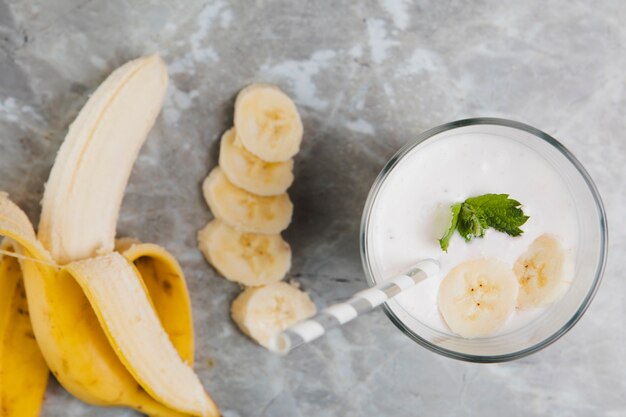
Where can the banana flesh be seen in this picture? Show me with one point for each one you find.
(263, 311)
(268, 123)
(250, 172)
(245, 211)
(247, 258)
(105, 138)
(540, 273)
(477, 297)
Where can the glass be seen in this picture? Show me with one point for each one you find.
(590, 259)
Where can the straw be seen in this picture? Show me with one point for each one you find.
(361, 303)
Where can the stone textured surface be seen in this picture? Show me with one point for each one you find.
(367, 76)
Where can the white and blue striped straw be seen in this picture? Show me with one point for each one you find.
(361, 303)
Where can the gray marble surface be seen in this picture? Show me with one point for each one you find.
(367, 76)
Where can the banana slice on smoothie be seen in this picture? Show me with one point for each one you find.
(262, 312)
(251, 173)
(243, 210)
(540, 272)
(477, 297)
(268, 123)
(247, 258)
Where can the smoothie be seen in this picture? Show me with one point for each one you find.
(412, 212)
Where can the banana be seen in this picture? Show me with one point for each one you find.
(268, 123)
(261, 312)
(245, 211)
(251, 173)
(477, 297)
(23, 371)
(96, 320)
(540, 273)
(247, 258)
(80, 208)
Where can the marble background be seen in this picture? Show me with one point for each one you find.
(367, 76)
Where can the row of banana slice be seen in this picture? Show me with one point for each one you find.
(247, 194)
(477, 297)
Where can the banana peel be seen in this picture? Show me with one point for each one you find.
(90, 354)
(137, 336)
(23, 371)
(165, 282)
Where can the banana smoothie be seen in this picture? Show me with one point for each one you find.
(504, 216)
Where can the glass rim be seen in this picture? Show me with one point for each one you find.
(402, 152)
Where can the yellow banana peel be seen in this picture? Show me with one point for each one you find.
(23, 371)
(165, 283)
(67, 306)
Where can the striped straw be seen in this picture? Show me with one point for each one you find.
(361, 303)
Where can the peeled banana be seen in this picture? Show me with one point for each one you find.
(245, 211)
(540, 273)
(109, 334)
(251, 173)
(477, 297)
(247, 258)
(105, 138)
(262, 312)
(268, 123)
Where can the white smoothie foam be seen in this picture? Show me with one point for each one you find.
(412, 211)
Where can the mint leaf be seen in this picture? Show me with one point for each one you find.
(501, 212)
(472, 222)
(476, 214)
(445, 240)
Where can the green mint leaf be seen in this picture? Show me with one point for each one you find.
(476, 214)
(501, 212)
(472, 222)
(445, 240)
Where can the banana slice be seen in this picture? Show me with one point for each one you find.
(247, 258)
(268, 123)
(540, 273)
(245, 211)
(261, 312)
(477, 297)
(250, 172)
